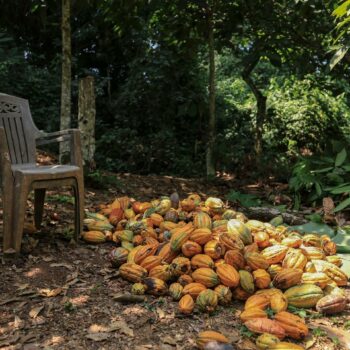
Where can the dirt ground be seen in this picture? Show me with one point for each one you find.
(58, 295)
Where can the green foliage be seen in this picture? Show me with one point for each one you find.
(321, 176)
(318, 332)
(244, 199)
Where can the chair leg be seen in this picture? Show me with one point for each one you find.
(79, 207)
(7, 220)
(21, 190)
(39, 198)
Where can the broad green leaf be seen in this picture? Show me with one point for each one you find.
(338, 56)
(342, 205)
(313, 227)
(342, 240)
(340, 11)
(340, 159)
(323, 170)
(339, 190)
(318, 188)
(346, 167)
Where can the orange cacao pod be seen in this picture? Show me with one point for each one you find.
(213, 249)
(264, 325)
(240, 294)
(224, 294)
(252, 313)
(193, 289)
(201, 236)
(293, 325)
(186, 304)
(256, 261)
(231, 241)
(257, 301)
(155, 286)
(287, 278)
(150, 262)
(144, 252)
(162, 272)
(202, 220)
(166, 253)
(202, 260)
(235, 258)
(206, 276)
(181, 266)
(278, 302)
(190, 249)
(261, 278)
(275, 254)
(132, 272)
(228, 275)
(210, 336)
(185, 279)
(331, 304)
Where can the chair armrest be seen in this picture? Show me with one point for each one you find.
(5, 161)
(71, 135)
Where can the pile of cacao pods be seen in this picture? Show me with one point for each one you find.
(202, 254)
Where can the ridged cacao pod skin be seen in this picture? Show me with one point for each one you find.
(201, 236)
(155, 286)
(304, 295)
(185, 279)
(213, 249)
(193, 289)
(256, 261)
(313, 253)
(118, 256)
(190, 249)
(292, 241)
(261, 279)
(178, 239)
(257, 301)
(224, 294)
(334, 259)
(311, 240)
(210, 336)
(245, 235)
(94, 237)
(138, 289)
(132, 272)
(264, 325)
(262, 239)
(274, 269)
(186, 304)
(150, 262)
(235, 258)
(266, 340)
(162, 272)
(228, 275)
(251, 248)
(331, 304)
(181, 266)
(202, 220)
(269, 293)
(310, 267)
(231, 241)
(132, 253)
(279, 302)
(286, 346)
(240, 294)
(275, 254)
(318, 278)
(293, 325)
(175, 291)
(219, 262)
(202, 260)
(294, 259)
(144, 252)
(207, 301)
(332, 271)
(287, 278)
(166, 253)
(246, 281)
(251, 314)
(330, 248)
(206, 276)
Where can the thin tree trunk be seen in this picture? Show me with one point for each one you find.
(260, 103)
(65, 121)
(86, 120)
(212, 117)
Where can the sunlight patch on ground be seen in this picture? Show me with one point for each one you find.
(34, 272)
(80, 300)
(134, 310)
(54, 340)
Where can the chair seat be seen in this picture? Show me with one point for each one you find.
(45, 170)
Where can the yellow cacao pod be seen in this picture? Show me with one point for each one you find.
(214, 249)
(202, 260)
(246, 281)
(193, 289)
(274, 269)
(224, 294)
(304, 295)
(318, 278)
(257, 301)
(206, 276)
(256, 261)
(252, 313)
(202, 220)
(210, 336)
(155, 286)
(294, 259)
(279, 302)
(266, 340)
(190, 249)
(94, 237)
(275, 254)
(181, 266)
(332, 271)
(312, 240)
(162, 272)
(335, 260)
(201, 236)
(313, 253)
(286, 346)
(175, 291)
(138, 289)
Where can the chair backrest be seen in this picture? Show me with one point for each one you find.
(20, 129)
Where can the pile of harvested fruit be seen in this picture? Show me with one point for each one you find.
(202, 254)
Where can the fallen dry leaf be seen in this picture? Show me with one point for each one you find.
(123, 327)
(50, 292)
(33, 313)
(67, 266)
(98, 336)
(333, 332)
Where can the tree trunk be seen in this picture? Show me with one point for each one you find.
(212, 118)
(86, 120)
(260, 103)
(65, 120)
